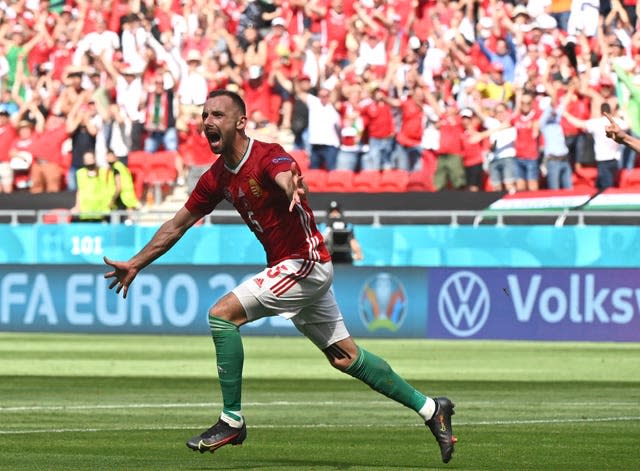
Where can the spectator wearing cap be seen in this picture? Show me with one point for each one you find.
(130, 99)
(256, 88)
(372, 51)
(278, 42)
(494, 87)
(7, 136)
(380, 125)
(525, 120)
(192, 91)
(556, 161)
(604, 92)
(324, 129)
(22, 149)
(473, 151)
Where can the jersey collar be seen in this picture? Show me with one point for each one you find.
(247, 152)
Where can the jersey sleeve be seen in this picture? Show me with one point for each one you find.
(206, 195)
(276, 161)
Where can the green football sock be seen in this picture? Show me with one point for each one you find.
(378, 375)
(229, 358)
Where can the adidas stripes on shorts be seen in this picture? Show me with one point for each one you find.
(299, 290)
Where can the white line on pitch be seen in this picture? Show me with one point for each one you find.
(269, 404)
(310, 426)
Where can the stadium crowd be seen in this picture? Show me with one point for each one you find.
(467, 94)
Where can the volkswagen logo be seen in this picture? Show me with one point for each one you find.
(463, 303)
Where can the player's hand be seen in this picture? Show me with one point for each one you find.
(612, 130)
(123, 274)
(298, 191)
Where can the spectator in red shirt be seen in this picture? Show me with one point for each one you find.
(450, 168)
(472, 150)
(525, 121)
(381, 130)
(408, 151)
(22, 149)
(334, 30)
(7, 136)
(579, 142)
(46, 170)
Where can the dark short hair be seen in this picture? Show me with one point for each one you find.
(237, 99)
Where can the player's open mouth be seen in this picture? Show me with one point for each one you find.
(213, 137)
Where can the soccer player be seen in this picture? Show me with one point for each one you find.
(264, 184)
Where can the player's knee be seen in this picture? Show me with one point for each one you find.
(228, 309)
(341, 364)
(341, 355)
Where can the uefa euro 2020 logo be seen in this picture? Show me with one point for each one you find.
(383, 303)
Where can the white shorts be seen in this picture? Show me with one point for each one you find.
(299, 290)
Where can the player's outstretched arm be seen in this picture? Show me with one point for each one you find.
(615, 132)
(166, 236)
(292, 182)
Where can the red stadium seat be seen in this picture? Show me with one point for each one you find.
(367, 181)
(419, 181)
(137, 162)
(56, 216)
(301, 157)
(584, 178)
(316, 179)
(161, 172)
(340, 181)
(630, 179)
(394, 181)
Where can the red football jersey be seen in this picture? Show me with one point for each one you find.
(252, 190)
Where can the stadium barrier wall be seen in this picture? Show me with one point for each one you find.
(396, 245)
(593, 304)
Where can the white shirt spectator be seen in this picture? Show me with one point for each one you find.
(133, 47)
(129, 97)
(503, 141)
(584, 17)
(603, 147)
(373, 54)
(193, 88)
(324, 122)
(97, 44)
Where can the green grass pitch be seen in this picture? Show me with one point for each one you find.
(98, 402)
